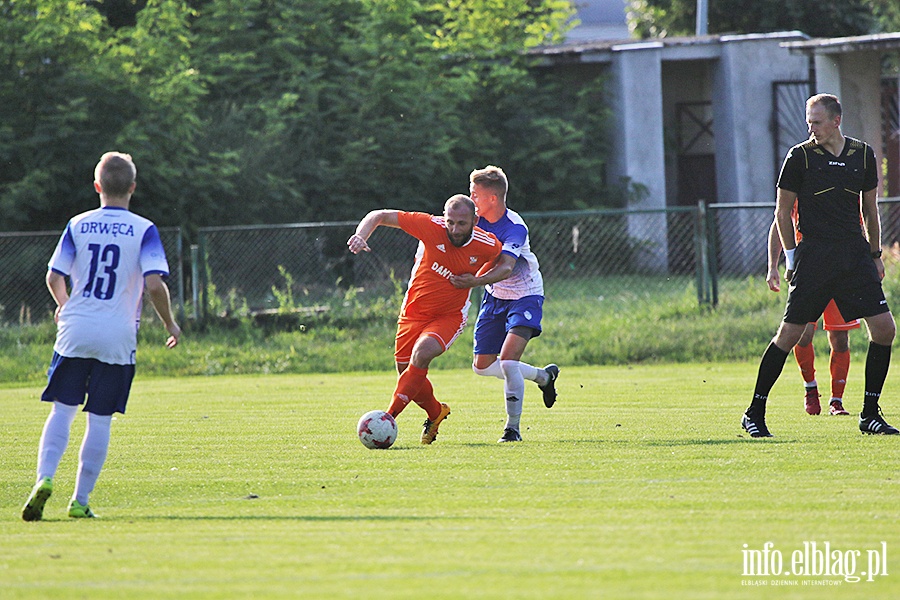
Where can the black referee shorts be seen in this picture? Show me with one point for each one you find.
(842, 270)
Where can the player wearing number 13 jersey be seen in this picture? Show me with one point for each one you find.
(106, 253)
(109, 255)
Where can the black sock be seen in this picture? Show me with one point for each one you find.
(769, 369)
(878, 359)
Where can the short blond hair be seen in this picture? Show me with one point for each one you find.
(116, 173)
(492, 178)
(829, 102)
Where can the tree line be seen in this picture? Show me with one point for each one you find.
(273, 111)
(816, 18)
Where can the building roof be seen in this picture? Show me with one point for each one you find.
(877, 42)
(673, 48)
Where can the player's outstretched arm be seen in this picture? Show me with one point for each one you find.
(358, 242)
(159, 297)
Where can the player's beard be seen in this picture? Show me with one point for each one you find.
(460, 240)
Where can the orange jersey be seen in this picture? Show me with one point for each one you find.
(430, 292)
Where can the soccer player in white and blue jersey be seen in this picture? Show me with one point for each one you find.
(110, 255)
(512, 306)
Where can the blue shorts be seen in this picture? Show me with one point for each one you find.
(106, 386)
(496, 317)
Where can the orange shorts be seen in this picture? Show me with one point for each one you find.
(444, 329)
(834, 321)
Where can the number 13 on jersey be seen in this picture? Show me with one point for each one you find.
(102, 276)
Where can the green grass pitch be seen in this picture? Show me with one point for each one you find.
(639, 483)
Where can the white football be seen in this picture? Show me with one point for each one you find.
(377, 430)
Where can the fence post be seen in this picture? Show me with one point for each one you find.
(179, 249)
(195, 280)
(204, 284)
(712, 254)
(701, 249)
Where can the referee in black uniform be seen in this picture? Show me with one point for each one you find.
(829, 175)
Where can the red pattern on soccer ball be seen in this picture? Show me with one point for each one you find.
(377, 423)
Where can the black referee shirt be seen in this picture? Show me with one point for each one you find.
(828, 187)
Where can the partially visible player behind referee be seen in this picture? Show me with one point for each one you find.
(827, 176)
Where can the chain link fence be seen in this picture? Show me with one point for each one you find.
(308, 266)
(294, 267)
(632, 256)
(628, 257)
(24, 298)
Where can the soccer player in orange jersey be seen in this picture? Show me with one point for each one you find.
(434, 312)
(836, 328)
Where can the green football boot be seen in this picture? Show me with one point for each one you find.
(80, 511)
(34, 507)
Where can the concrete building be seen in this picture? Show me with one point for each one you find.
(710, 118)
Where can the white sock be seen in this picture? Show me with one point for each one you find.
(514, 389)
(493, 370)
(529, 372)
(54, 439)
(93, 454)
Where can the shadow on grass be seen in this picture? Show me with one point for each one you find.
(103, 519)
(708, 442)
(644, 442)
(307, 518)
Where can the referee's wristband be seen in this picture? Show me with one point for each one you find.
(789, 259)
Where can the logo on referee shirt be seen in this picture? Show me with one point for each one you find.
(442, 248)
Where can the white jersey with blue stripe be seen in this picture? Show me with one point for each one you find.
(526, 279)
(106, 253)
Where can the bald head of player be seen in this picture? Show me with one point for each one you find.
(459, 219)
